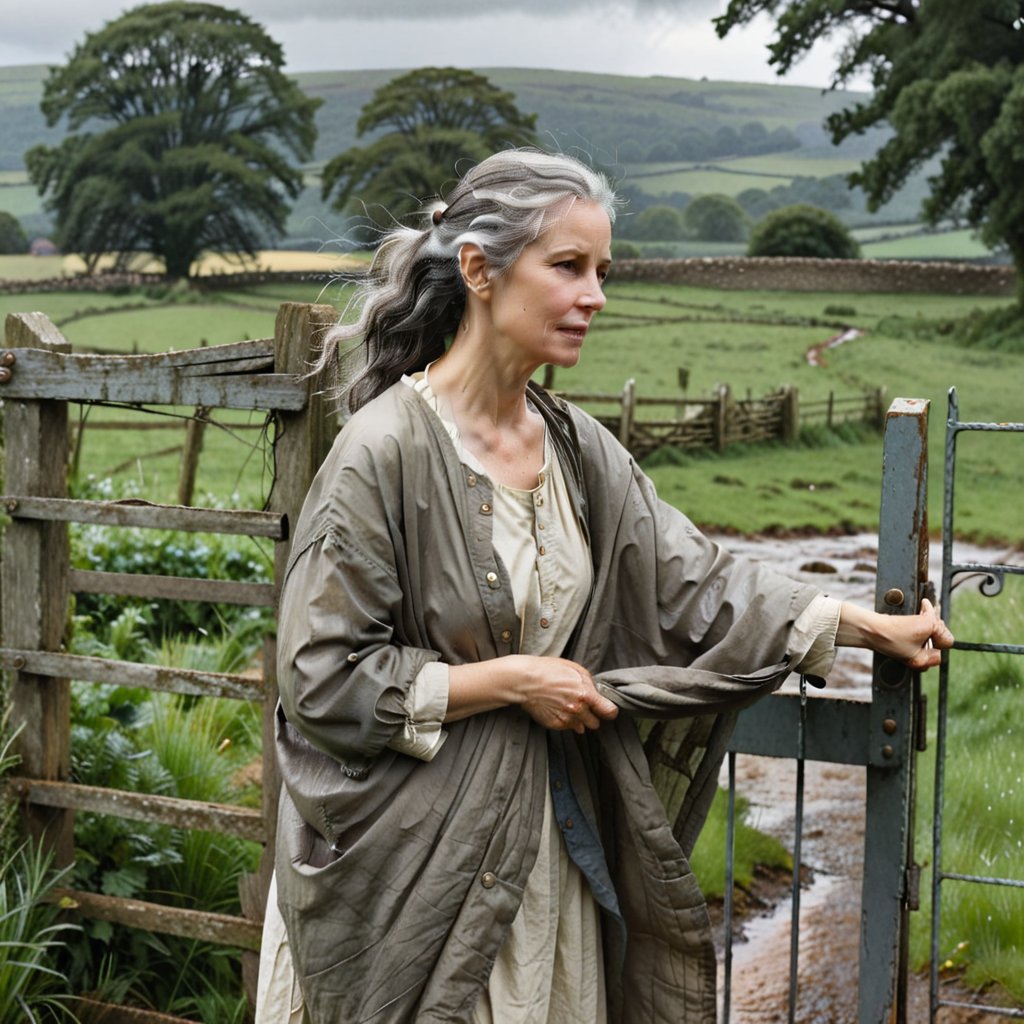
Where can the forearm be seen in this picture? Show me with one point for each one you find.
(860, 627)
(481, 686)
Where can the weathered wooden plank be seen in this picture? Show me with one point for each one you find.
(148, 515)
(171, 588)
(260, 364)
(256, 348)
(150, 380)
(243, 822)
(127, 673)
(221, 929)
(91, 1011)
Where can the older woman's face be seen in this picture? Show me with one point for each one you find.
(542, 306)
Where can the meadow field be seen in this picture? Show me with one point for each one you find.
(753, 341)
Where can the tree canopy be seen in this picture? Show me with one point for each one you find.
(716, 218)
(433, 122)
(180, 124)
(13, 239)
(947, 76)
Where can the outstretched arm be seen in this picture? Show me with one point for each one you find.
(916, 640)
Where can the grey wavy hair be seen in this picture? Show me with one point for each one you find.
(413, 296)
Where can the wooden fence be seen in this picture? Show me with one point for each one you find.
(723, 420)
(38, 378)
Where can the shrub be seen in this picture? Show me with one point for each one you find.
(802, 230)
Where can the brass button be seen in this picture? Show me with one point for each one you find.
(544, 623)
(488, 880)
(353, 657)
(471, 480)
(506, 635)
(485, 508)
(568, 822)
(558, 783)
(540, 526)
(492, 580)
(540, 550)
(540, 501)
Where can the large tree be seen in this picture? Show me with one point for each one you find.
(180, 124)
(433, 122)
(947, 76)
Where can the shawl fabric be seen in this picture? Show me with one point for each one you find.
(398, 879)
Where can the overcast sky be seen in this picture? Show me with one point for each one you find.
(628, 37)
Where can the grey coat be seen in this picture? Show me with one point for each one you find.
(398, 879)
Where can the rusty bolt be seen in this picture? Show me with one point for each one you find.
(12, 504)
(19, 662)
(5, 374)
(894, 597)
(889, 726)
(887, 751)
(8, 359)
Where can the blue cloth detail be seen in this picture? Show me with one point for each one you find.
(581, 840)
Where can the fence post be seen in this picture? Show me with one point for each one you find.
(301, 441)
(34, 588)
(889, 836)
(790, 413)
(722, 418)
(194, 430)
(628, 413)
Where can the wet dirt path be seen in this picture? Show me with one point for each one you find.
(833, 836)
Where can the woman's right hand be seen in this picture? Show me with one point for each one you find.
(560, 694)
(555, 692)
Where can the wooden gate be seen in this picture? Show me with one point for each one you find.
(38, 378)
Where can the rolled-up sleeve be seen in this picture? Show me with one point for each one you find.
(345, 684)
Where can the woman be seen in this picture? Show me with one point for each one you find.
(483, 590)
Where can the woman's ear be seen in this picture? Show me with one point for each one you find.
(474, 270)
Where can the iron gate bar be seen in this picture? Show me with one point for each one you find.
(798, 836)
(730, 864)
(954, 427)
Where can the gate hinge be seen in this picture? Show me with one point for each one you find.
(921, 723)
(913, 887)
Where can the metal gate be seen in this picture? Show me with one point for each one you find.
(994, 578)
(884, 735)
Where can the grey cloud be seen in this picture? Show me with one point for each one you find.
(430, 10)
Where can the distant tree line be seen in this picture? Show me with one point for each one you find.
(694, 143)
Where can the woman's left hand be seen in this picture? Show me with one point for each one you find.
(915, 640)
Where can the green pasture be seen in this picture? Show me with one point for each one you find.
(753, 341)
(962, 244)
(699, 179)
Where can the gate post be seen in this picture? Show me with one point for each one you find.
(34, 598)
(889, 833)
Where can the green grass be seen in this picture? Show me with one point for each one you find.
(751, 849)
(982, 926)
(961, 244)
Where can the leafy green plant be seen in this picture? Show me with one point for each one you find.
(134, 628)
(31, 937)
(176, 746)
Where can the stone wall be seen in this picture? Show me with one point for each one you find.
(766, 273)
(772, 273)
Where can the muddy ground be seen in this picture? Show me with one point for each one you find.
(833, 836)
